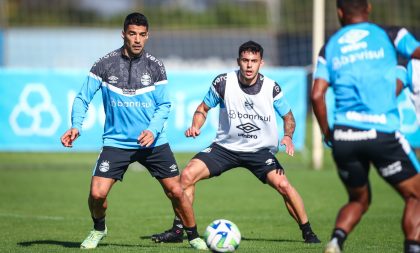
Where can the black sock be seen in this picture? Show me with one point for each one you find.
(340, 235)
(99, 224)
(411, 246)
(177, 225)
(191, 232)
(306, 228)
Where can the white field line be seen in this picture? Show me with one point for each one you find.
(58, 218)
(36, 217)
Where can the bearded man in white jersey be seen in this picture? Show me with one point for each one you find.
(247, 136)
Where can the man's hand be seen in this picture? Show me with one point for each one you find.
(328, 138)
(146, 138)
(69, 137)
(192, 132)
(287, 141)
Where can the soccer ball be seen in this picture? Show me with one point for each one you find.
(222, 236)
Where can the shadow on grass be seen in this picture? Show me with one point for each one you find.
(243, 239)
(70, 244)
(148, 237)
(50, 242)
(269, 240)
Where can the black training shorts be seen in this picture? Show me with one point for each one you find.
(354, 149)
(219, 160)
(159, 161)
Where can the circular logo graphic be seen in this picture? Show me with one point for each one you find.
(104, 166)
(146, 79)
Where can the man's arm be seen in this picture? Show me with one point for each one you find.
(160, 115)
(82, 100)
(282, 107)
(289, 125)
(319, 90)
(199, 118)
(416, 53)
(80, 106)
(211, 100)
(69, 137)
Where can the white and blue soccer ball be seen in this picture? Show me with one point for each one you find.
(222, 236)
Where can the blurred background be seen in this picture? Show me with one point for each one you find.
(75, 33)
(47, 48)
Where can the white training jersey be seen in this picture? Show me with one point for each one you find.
(413, 70)
(247, 120)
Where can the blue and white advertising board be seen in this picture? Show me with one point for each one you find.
(36, 108)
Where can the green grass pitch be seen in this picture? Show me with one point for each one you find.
(43, 207)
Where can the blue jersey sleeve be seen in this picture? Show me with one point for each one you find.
(212, 98)
(215, 95)
(405, 43)
(321, 70)
(163, 107)
(82, 100)
(280, 104)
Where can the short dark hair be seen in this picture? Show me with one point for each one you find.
(136, 18)
(251, 46)
(352, 6)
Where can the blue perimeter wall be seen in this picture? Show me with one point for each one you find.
(36, 108)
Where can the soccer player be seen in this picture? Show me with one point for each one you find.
(247, 136)
(136, 103)
(359, 63)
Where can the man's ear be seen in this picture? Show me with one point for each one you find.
(262, 63)
(369, 8)
(340, 13)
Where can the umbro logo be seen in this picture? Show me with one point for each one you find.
(173, 168)
(269, 161)
(249, 105)
(206, 150)
(353, 36)
(112, 79)
(353, 40)
(248, 127)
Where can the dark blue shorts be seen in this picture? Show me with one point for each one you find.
(219, 160)
(355, 149)
(159, 161)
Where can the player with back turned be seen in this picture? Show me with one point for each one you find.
(359, 63)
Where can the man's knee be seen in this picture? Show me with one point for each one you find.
(410, 188)
(100, 188)
(283, 186)
(187, 178)
(97, 195)
(175, 193)
(173, 189)
(361, 196)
